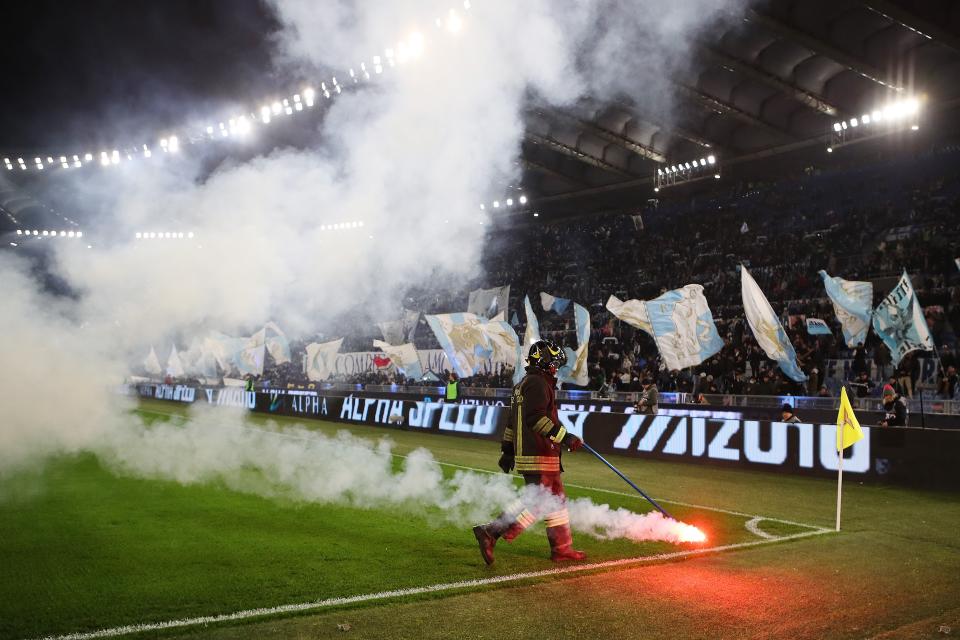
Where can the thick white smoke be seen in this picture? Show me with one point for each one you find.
(297, 464)
(412, 156)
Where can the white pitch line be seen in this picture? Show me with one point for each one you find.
(753, 526)
(488, 471)
(400, 593)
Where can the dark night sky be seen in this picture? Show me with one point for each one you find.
(102, 71)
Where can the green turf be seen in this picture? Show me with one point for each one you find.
(83, 549)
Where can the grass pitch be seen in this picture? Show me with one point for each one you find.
(83, 549)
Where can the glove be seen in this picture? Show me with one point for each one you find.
(572, 442)
(507, 457)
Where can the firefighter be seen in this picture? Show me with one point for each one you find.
(532, 443)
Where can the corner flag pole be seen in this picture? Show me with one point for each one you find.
(839, 485)
(627, 480)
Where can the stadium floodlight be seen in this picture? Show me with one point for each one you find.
(837, 127)
(482, 207)
(415, 44)
(13, 244)
(45, 232)
(854, 122)
(688, 165)
(104, 159)
(829, 149)
(308, 96)
(509, 202)
(523, 199)
(843, 124)
(87, 157)
(243, 125)
(711, 160)
(63, 234)
(146, 151)
(49, 160)
(914, 127)
(19, 232)
(276, 107)
(190, 234)
(659, 172)
(174, 144)
(865, 118)
(180, 235)
(496, 204)
(716, 176)
(70, 234)
(911, 106)
(138, 235)
(153, 235)
(163, 144)
(80, 235)
(265, 114)
(115, 157)
(536, 215)
(360, 223)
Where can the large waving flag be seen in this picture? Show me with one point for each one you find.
(489, 302)
(463, 340)
(553, 303)
(392, 331)
(852, 302)
(633, 312)
(404, 357)
(322, 359)
(152, 363)
(224, 349)
(575, 371)
(899, 321)
(174, 366)
(683, 327)
(276, 343)
(530, 335)
(767, 328)
(249, 358)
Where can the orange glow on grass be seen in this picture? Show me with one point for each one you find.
(690, 533)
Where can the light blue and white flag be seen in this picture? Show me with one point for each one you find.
(277, 344)
(956, 261)
(392, 331)
(899, 321)
(463, 340)
(249, 358)
(530, 335)
(489, 302)
(767, 328)
(817, 327)
(683, 328)
(224, 348)
(174, 366)
(553, 303)
(575, 371)
(322, 359)
(503, 340)
(852, 302)
(404, 357)
(633, 312)
(152, 363)
(515, 319)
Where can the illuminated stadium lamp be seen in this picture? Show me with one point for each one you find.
(49, 160)
(876, 116)
(79, 234)
(243, 125)
(914, 127)
(138, 235)
(323, 227)
(152, 235)
(308, 95)
(360, 223)
(63, 234)
(276, 107)
(496, 204)
(415, 43)
(19, 232)
(70, 234)
(286, 107)
(865, 118)
(854, 122)
(223, 130)
(377, 66)
(482, 207)
(716, 176)
(87, 157)
(711, 160)
(180, 235)
(388, 53)
(45, 232)
(656, 189)
(209, 130)
(163, 144)
(509, 202)
(63, 161)
(829, 149)
(146, 151)
(837, 127)
(326, 92)
(523, 199)
(843, 124)
(174, 144)
(115, 157)
(659, 172)
(536, 215)
(265, 115)
(13, 244)
(190, 234)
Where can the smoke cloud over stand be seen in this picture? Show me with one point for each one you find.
(411, 154)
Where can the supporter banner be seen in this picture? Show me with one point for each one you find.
(817, 327)
(321, 359)
(357, 362)
(683, 327)
(404, 357)
(553, 303)
(853, 304)
(462, 339)
(899, 321)
(276, 343)
(767, 329)
(489, 302)
(633, 312)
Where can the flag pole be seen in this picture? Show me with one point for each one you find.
(839, 484)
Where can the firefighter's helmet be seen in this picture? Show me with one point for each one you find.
(545, 354)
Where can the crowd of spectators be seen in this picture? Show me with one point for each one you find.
(869, 222)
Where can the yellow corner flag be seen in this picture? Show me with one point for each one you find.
(848, 428)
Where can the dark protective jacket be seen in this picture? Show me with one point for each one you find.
(896, 412)
(533, 427)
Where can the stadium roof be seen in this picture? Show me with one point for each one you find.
(776, 81)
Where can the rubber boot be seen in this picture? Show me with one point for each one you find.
(487, 538)
(561, 544)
